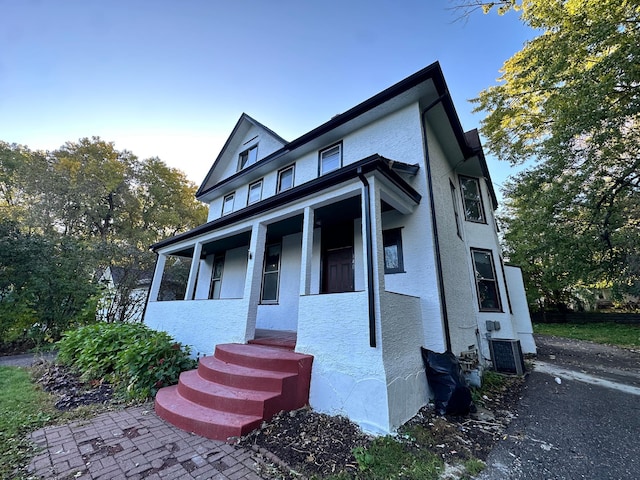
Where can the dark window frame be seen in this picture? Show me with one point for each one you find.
(481, 211)
(393, 237)
(321, 172)
(480, 281)
(244, 156)
(456, 212)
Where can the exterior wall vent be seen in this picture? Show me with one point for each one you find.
(506, 356)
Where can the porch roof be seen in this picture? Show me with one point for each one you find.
(374, 162)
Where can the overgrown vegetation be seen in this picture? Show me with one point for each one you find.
(610, 333)
(65, 216)
(23, 408)
(135, 359)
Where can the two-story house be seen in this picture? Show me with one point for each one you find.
(360, 241)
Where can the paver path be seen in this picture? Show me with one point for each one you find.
(135, 443)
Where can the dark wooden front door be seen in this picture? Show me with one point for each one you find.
(337, 257)
(338, 270)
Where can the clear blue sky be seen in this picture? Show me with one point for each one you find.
(170, 78)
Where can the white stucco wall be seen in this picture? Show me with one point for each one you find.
(521, 316)
(234, 273)
(202, 324)
(284, 315)
(348, 375)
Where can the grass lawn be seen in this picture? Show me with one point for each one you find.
(610, 333)
(23, 409)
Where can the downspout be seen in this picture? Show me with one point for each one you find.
(436, 241)
(366, 218)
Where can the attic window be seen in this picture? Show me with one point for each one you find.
(248, 157)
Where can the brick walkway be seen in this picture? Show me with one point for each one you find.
(135, 444)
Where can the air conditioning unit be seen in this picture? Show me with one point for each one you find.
(506, 356)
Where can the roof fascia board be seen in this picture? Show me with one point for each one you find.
(432, 72)
(369, 164)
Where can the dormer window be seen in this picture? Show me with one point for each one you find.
(330, 159)
(248, 157)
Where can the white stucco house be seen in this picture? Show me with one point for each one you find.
(366, 238)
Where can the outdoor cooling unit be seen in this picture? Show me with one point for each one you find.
(507, 356)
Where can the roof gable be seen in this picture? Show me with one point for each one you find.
(246, 134)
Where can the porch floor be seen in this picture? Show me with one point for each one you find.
(275, 338)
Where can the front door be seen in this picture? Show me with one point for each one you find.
(337, 258)
(339, 270)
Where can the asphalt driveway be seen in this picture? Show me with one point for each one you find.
(579, 417)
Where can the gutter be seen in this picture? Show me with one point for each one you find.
(366, 217)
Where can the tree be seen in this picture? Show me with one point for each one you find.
(570, 101)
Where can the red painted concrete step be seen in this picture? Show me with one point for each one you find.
(232, 392)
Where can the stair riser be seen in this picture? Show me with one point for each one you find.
(263, 384)
(290, 365)
(205, 429)
(242, 406)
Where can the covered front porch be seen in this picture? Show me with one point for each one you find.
(313, 267)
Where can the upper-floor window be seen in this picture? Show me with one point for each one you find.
(248, 157)
(285, 178)
(456, 214)
(472, 199)
(330, 159)
(393, 258)
(227, 206)
(486, 281)
(255, 192)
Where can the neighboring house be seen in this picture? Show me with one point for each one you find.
(124, 293)
(369, 236)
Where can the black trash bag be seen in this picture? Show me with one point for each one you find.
(447, 382)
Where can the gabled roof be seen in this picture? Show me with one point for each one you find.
(244, 119)
(426, 86)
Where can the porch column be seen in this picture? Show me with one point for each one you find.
(253, 281)
(307, 251)
(161, 260)
(193, 272)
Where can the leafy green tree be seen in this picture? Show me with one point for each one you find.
(570, 101)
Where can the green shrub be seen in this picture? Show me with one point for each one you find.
(135, 359)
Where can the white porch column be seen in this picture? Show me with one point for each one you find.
(307, 251)
(157, 277)
(253, 281)
(193, 272)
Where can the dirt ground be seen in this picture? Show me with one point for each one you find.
(309, 443)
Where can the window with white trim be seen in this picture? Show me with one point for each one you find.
(216, 276)
(271, 274)
(472, 199)
(486, 280)
(227, 205)
(331, 159)
(255, 192)
(248, 157)
(285, 178)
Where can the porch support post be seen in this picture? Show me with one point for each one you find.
(157, 277)
(253, 281)
(307, 251)
(193, 272)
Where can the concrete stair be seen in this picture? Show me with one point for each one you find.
(235, 390)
